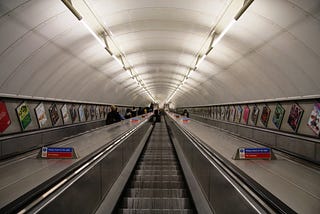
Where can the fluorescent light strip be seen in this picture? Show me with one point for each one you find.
(117, 59)
(140, 83)
(217, 40)
(93, 33)
(200, 60)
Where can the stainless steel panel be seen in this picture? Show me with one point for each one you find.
(245, 132)
(232, 128)
(111, 167)
(200, 170)
(224, 198)
(265, 138)
(220, 193)
(82, 197)
(297, 146)
(317, 151)
(27, 142)
(21, 144)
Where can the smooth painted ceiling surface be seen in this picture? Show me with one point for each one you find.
(272, 51)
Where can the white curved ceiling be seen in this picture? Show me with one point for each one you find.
(272, 51)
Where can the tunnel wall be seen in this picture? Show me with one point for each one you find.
(295, 133)
(37, 131)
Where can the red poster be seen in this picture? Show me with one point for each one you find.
(4, 117)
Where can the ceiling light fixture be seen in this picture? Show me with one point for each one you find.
(119, 58)
(213, 43)
(93, 33)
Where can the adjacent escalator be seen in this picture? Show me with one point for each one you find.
(157, 184)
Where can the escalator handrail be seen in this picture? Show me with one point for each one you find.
(48, 190)
(263, 194)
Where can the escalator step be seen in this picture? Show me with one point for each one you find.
(155, 211)
(157, 178)
(157, 184)
(156, 203)
(159, 167)
(157, 172)
(160, 193)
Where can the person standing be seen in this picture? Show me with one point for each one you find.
(113, 116)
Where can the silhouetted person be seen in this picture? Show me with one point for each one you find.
(185, 113)
(113, 116)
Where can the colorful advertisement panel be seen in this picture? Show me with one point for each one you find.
(24, 115)
(266, 111)
(41, 115)
(314, 119)
(64, 112)
(54, 114)
(278, 116)
(4, 117)
(295, 116)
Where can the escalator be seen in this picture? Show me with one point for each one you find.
(157, 184)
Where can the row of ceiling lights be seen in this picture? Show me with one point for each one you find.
(120, 58)
(214, 41)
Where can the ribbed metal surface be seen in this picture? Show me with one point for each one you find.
(157, 184)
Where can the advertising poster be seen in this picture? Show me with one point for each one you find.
(212, 112)
(278, 116)
(24, 115)
(54, 115)
(92, 113)
(86, 113)
(314, 119)
(41, 115)
(265, 115)
(218, 112)
(254, 114)
(227, 112)
(64, 112)
(81, 114)
(238, 114)
(4, 117)
(73, 112)
(232, 113)
(97, 112)
(246, 114)
(222, 113)
(101, 111)
(295, 116)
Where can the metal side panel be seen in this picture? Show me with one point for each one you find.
(110, 169)
(297, 146)
(224, 195)
(115, 191)
(81, 197)
(200, 200)
(265, 138)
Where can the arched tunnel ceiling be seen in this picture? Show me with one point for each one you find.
(272, 51)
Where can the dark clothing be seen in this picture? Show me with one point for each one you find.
(185, 113)
(128, 114)
(113, 117)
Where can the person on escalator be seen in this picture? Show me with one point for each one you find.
(185, 113)
(113, 116)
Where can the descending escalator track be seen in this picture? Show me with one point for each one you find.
(157, 184)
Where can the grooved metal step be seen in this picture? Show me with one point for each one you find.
(157, 178)
(159, 167)
(157, 185)
(166, 193)
(156, 203)
(157, 211)
(157, 172)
